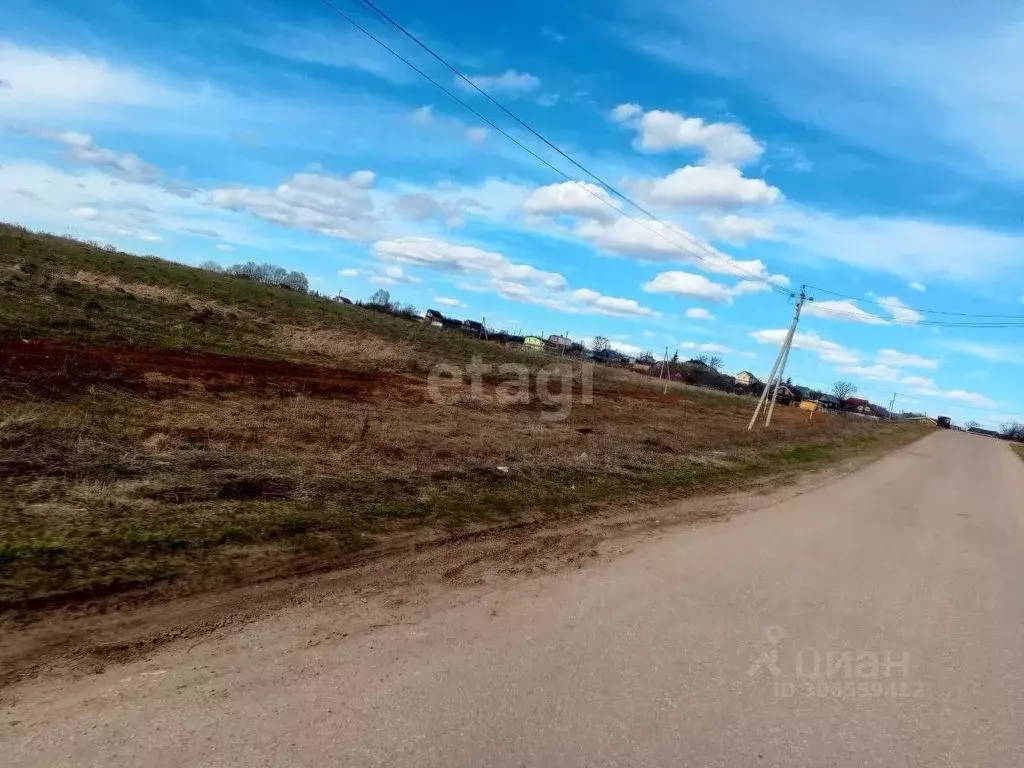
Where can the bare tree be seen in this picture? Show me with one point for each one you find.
(972, 425)
(381, 298)
(646, 359)
(1013, 430)
(211, 266)
(296, 281)
(713, 362)
(842, 389)
(601, 344)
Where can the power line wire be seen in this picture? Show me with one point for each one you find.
(693, 243)
(820, 311)
(916, 309)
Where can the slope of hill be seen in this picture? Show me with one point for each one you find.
(172, 429)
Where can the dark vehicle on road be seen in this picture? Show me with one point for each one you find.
(944, 421)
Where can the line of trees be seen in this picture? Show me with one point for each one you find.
(381, 301)
(266, 273)
(1013, 430)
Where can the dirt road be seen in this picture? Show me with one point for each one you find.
(902, 585)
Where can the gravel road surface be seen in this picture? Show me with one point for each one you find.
(875, 621)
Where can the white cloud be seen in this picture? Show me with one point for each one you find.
(995, 353)
(476, 134)
(342, 48)
(463, 259)
(916, 286)
(699, 313)
(688, 284)
(625, 112)
(919, 383)
(737, 229)
(900, 312)
(598, 303)
(328, 205)
(719, 349)
(903, 360)
(423, 115)
(87, 212)
(583, 199)
(941, 88)
(913, 249)
(420, 206)
(875, 372)
(548, 99)
(225, 247)
(829, 351)
(841, 310)
(42, 83)
(660, 130)
(749, 287)
(974, 398)
(103, 205)
(508, 82)
(82, 149)
(580, 301)
(927, 388)
(653, 240)
(516, 282)
(446, 301)
(397, 275)
(719, 186)
(350, 272)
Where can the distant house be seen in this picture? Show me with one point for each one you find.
(982, 431)
(515, 339)
(860, 406)
(452, 323)
(786, 395)
(433, 317)
(533, 342)
(475, 328)
(746, 378)
(555, 340)
(805, 393)
(830, 402)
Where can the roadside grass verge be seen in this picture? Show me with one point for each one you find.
(106, 492)
(1018, 449)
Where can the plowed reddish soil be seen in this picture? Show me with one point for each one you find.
(55, 367)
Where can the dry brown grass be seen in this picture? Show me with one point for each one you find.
(107, 491)
(343, 347)
(150, 292)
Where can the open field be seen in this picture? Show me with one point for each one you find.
(169, 430)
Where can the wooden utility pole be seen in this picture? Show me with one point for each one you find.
(775, 377)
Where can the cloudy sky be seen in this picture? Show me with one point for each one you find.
(874, 150)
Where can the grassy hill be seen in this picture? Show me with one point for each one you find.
(59, 288)
(167, 428)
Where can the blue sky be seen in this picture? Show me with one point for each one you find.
(872, 150)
